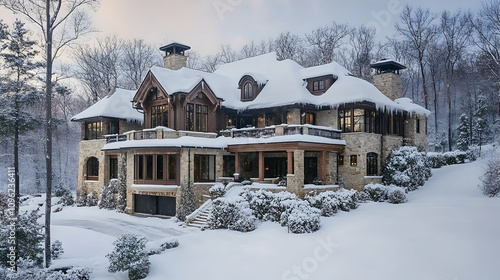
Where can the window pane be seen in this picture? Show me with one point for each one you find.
(149, 167)
(140, 168)
(359, 120)
(164, 116)
(159, 167)
(347, 121)
(354, 160)
(171, 162)
(190, 117)
(113, 168)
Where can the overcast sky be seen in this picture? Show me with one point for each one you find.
(205, 24)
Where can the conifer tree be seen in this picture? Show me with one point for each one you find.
(463, 133)
(480, 130)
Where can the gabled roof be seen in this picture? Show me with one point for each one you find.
(117, 105)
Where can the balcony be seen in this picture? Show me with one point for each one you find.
(284, 129)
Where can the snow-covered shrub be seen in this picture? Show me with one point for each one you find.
(436, 160)
(246, 182)
(28, 237)
(266, 205)
(107, 199)
(91, 199)
(491, 178)
(34, 273)
(130, 255)
(170, 243)
(380, 193)
(56, 249)
(330, 202)
(406, 167)
(65, 195)
(232, 213)
(301, 218)
(217, 190)
(81, 198)
(186, 201)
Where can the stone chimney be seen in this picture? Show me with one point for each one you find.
(387, 78)
(174, 55)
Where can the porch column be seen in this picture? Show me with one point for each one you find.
(322, 166)
(236, 165)
(289, 162)
(261, 166)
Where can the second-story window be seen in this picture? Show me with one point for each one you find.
(308, 118)
(159, 115)
(93, 130)
(201, 117)
(190, 116)
(248, 91)
(318, 85)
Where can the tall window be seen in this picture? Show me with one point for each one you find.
(201, 117)
(371, 164)
(113, 168)
(155, 168)
(190, 117)
(417, 125)
(93, 130)
(345, 120)
(359, 120)
(204, 168)
(228, 166)
(159, 115)
(92, 169)
(113, 126)
(248, 91)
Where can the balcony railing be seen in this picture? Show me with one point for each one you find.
(281, 130)
(116, 138)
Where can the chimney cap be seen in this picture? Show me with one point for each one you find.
(387, 65)
(175, 48)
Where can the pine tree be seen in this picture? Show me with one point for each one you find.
(463, 133)
(130, 255)
(480, 131)
(121, 197)
(186, 203)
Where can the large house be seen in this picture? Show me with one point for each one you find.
(257, 119)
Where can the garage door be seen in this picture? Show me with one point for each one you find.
(154, 205)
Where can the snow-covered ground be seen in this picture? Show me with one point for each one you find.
(446, 230)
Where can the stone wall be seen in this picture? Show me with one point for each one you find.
(175, 61)
(389, 84)
(327, 118)
(125, 126)
(88, 149)
(293, 116)
(414, 138)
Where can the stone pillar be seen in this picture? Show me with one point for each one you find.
(295, 182)
(237, 165)
(130, 180)
(261, 166)
(322, 166)
(290, 162)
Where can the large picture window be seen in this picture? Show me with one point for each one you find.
(155, 168)
(201, 117)
(204, 168)
(371, 164)
(159, 115)
(92, 169)
(93, 130)
(308, 118)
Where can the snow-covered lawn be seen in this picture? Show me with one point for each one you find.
(446, 230)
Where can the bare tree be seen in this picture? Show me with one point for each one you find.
(456, 32)
(99, 66)
(137, 58)
(227, 54)
(327, 39)
(417, 28)
(362, 41)
(288, 46)
(61, 23)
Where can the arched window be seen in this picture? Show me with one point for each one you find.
(248, 91)
(92, 169)
(371, 164)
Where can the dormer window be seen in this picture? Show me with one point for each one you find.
(248, 91)
(319, 85)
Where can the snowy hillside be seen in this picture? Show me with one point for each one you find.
(446, 230)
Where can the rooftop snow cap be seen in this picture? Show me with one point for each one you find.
(174, 57)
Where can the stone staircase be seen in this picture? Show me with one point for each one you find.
(199, 218)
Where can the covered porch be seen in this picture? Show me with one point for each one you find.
(299, 162)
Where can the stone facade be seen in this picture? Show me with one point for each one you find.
(88, 149)
(416, 132)
(389, 84)
(328, 118)
(175, 61)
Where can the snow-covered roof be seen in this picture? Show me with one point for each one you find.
(408, 105)
(117, 105)
(284, 84)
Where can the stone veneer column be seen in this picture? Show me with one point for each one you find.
(295, 182)
(293, 116)
(130, 180)
(261, 166)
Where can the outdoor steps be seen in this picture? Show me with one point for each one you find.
(199, 218)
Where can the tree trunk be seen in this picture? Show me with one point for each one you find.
(48, 129)
(422, 72)
(16, 178)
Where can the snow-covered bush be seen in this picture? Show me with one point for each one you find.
(246, 182)
(91, 199)
(217, 190)
(65, 195)
(107, 198)
(56, 249)
(121, 189)
(300, 217)
(78, 273)
(169, 243)
(436, 160)
(81, 198)
(130, 255)
(330, 202)
(406, 167)
(28, 237)
(268, 206)
(232, 213)
(380, 193)
(491, 178)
